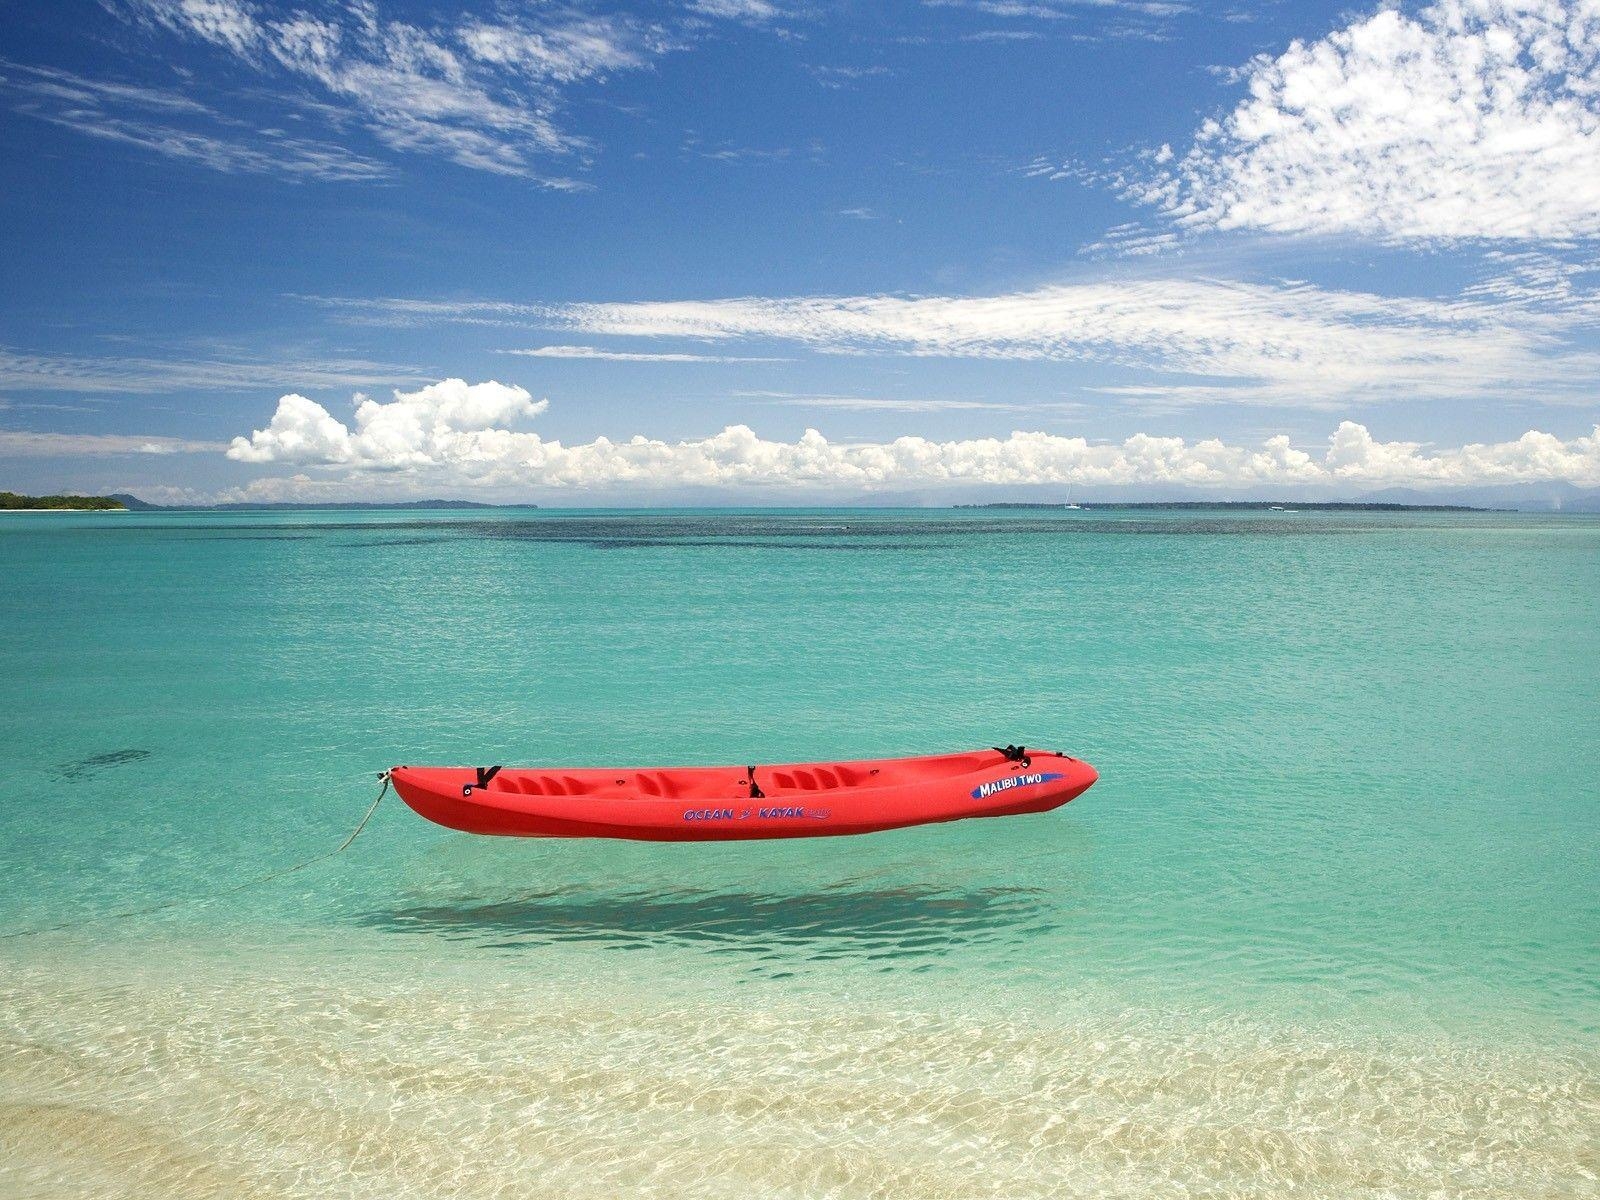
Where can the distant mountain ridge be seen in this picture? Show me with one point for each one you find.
(1246, 505)
(1525, 497)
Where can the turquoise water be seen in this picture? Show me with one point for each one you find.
(1329, 920)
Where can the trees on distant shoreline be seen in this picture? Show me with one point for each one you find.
(88, 503)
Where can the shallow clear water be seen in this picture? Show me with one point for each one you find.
(1328, 921)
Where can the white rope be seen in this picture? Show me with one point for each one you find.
(198, 900)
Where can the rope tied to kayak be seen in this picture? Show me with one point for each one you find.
(256, 881)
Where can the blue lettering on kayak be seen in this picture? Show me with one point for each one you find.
(776, 811)
(984, 790)
(788, 810)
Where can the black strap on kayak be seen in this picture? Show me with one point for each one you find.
(1016, 754)
(755, 790)
(485, 774)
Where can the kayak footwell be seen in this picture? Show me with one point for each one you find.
(699, 804)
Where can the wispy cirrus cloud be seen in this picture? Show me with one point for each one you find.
(1088, 20)
(753, 11)
(401, 312)
(1564, 284)
(1062, 10)
(1002, 35)
(1260, 343)
(483, 91)
(695, 146)
(1132, 239)
(597, 353)
(76, 89)
(1280, 344)
(463, 434)
(838, 78)
(22, 444)
(177, 126)
(23, 371)
(909, 404)
(1469, 119)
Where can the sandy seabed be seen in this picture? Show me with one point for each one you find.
(231, 1079)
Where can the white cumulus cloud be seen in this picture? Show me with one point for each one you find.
(440, 423)
(1469, 119)
(457, 434)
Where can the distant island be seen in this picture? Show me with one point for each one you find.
(138, 505)
(121, 502)
(1247, 505)
(13, 501)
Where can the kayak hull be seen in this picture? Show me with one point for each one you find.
(705, 804)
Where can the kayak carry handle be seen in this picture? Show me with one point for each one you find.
(1016, 754)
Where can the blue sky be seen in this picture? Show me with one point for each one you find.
(783, 250)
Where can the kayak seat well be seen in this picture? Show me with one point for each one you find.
(658, 783)
(704, 783)
(545, 785)
(539, 783)
(815, 779)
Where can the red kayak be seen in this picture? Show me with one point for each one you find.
(713, 804)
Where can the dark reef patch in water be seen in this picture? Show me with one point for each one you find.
(255, 537)
(849, 531)
(101, 762)
(886, 533)
(748, 544)
(381, 543)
